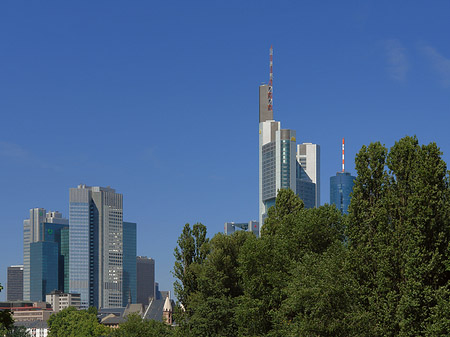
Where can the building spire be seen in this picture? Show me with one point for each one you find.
(343, 157)
(270, 92)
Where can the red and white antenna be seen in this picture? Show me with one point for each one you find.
(343, 157)
(270, 92)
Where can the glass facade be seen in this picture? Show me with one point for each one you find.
(285, 164)
(44, 264)
(79, 259)
(341, 186)
(129, 263)
(96, 246)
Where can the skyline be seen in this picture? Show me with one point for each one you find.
(160, 102)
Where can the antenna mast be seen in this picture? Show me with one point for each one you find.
(270, 92)
(343, 158)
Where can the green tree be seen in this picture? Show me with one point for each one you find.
(6, 319)
(266, 264)
(135, 326)
(189, 255)
(212, 306)
(75, 323)
(399, 236)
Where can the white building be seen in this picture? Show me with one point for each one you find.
(60, 300)
(308, 157)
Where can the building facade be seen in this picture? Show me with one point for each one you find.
(96, 246)
(60, 300)
(145, 279)
(34, 230)
(14, 286)
(129, 264)
(283, 165)
(308, 161)
(251, 226)
(341, 187)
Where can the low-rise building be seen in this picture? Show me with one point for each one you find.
(60, 300)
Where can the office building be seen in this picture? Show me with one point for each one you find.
(35, 229)
(281, 164)
(44, 258)
(341, 187)
(251, 226)
(145, 268)
(308, 178)
(96, 246)
(60, 300)
(14, 286)
(129, 264)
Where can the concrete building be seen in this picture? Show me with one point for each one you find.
(96, 246)
(35, 229)
(14, 286)
(251, 226)
(60, 300)
(145, 268)
(308, 159)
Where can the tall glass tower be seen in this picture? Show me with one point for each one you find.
(35, 230)
(129, 263)
(96, 246)
(341, 186)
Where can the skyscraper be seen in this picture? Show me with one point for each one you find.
(280, 165)
(145, 279)
(14, 290)
(129, 263)
(33, 231)
(96, 246)
(308, 158)
(43, 269)
(341, 186)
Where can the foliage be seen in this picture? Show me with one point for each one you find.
(16, 331)
(383, 270)
(75, 323)
(6, 319)
(135, 326)
(189, 255)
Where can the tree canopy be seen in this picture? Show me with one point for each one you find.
(383, 270)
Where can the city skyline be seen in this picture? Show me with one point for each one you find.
(139, 96)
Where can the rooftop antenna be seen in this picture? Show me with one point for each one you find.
(343, 158)
(270, 92)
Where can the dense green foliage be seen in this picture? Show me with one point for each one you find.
(383, 270)
(135, 326)
(76, 323)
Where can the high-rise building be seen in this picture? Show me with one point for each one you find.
(129, 264)
(44, 256)
(14, 286)
(308, 178)
(341, 186)
(96, 246)
(145, 279)
(280, 165)
(34, 230)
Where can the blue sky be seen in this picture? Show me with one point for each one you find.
(159, 100)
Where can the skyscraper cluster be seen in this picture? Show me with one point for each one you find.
(92, 254)
(284, 164)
